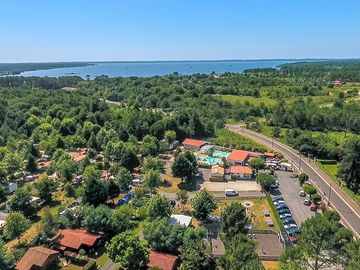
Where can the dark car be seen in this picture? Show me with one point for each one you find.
(287, 221)
(281, 206)
(293, 231)
(277, 198)
(283, 211)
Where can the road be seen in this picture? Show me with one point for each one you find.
(289, 189)
(339, 200)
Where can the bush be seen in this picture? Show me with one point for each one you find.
(309, 189)
(315, 198)
(303, 177)
(91, 265)
(327, 162)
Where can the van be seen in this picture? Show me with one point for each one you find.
(136, 182)
(229, 192)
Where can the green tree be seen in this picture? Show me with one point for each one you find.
(6, 258)
(349, 168)
(31, 165)
(45, 187)
(257, 164)
(203, 204)
(70, 190)
(153, 163)
(234, 220)
(15, 225)
(353, 252)
(121, 218)
(195, 252)
(309, 189)
(48, 224)
(170, 136)
(322, 244)
(265, 180)
(21, 201)
(276, 132)
(112, 190)
(163, 236)
(128, 250)
(94, 188)
(158, 206)
(303, 177)
(123, 179)
(97, 219)
(184, 166)
(240, 254)
(152, 180)
(182, 196)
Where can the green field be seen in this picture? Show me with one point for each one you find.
(228, 138)
(252, 100)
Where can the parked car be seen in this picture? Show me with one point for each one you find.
(284, 211)
(274, 186)
(293, 231)
(313, 207)
(229, 192)
(279, 202)
(276, 198)
(293, 239)
(289, 226)
(287, 221)
(286, 215)
(302, 193)
(307, 202)
(317, 214)
(281, 206)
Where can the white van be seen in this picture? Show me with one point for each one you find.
(229, 192)
(136, 182)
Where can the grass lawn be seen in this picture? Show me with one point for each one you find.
(271, 265)
(252, 100)
(102, 260)
(255, 212)
(174, 184)
(72, 267)
(228, 138)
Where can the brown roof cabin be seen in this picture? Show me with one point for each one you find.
(38, 258)
(74, 240)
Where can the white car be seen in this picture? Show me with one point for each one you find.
(289, 226)
(278, 202)
(286, 215)
(229, 192)
(302, 193)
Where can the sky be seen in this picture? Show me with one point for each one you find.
(143, 30)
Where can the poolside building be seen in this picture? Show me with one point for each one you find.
(217, 173)
(193, 144)
(242, 157)
(240, 172)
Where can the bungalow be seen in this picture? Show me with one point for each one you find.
(240, 172)
(38, 258)
(217, 173)
(192, 144)
(182, 220)
(162, 261)
(73, 240)
(241, 157)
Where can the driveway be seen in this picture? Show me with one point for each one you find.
(289, 189)
(240, 186)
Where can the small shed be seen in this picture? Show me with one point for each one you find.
(270, 223)
(266, 213)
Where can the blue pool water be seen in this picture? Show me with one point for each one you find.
(208, 160)
(220, 154)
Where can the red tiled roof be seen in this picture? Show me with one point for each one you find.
(162, 261)
(194, 142)
(35, 256)
(250, 159)
(75, 238)
(268, 154)
(240, 169)
(239, 155)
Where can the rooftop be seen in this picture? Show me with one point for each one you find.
(240, 169)
(75, 238)
(194, 142)
(181, 219)
(35, 256)
(217, 169)
(162, 261)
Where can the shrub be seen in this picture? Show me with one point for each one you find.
(309, 189)
(315, 198)
(303, 177)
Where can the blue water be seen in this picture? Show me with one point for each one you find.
(220, 154)
(208, 160)
(148, 69)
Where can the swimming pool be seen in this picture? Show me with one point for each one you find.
(220, 154)
(208, 160)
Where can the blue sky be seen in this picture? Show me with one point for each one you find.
(90, 30)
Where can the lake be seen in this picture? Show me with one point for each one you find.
(148, 69)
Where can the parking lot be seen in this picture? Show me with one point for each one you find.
(289, 189)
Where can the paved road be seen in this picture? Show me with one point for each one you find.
(110, 265)
(339, 200)
(216, 194)
(289, 189)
